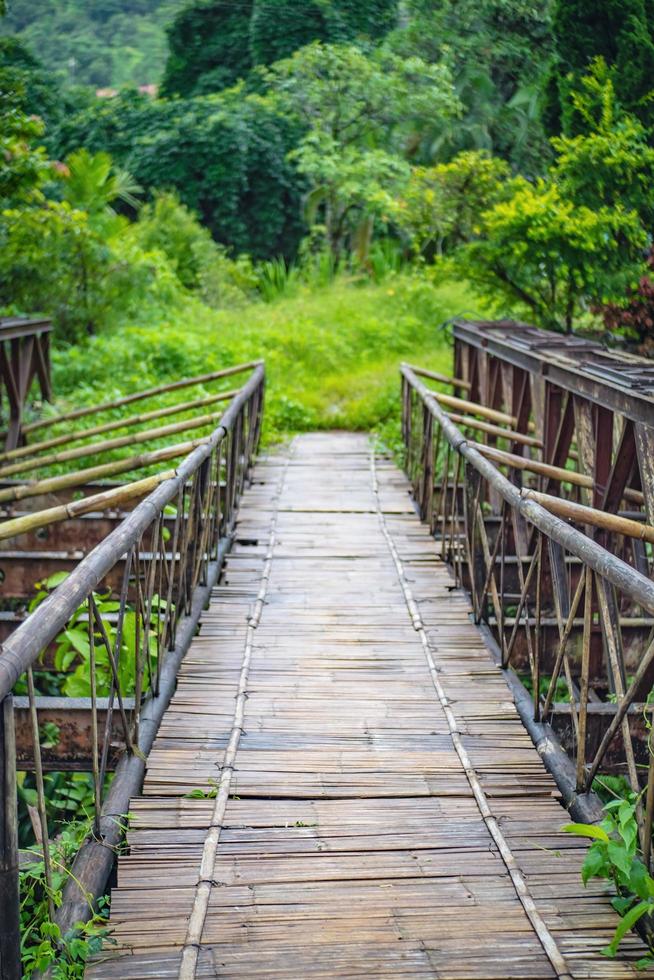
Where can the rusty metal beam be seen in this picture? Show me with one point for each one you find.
(617, 381)
(72, 716)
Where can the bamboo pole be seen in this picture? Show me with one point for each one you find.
(496, 430)
(545, 469)
(94, 448)
(437, 376)
(37, 447)
(590, 515)
(79, 477)
(474, 408)
(106, 500)
(140, 395)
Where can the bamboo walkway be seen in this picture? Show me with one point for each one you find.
(374, 807)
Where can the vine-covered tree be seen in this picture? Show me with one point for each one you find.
(213, 43)
(280, 27)
(226, 156)
(209, 47)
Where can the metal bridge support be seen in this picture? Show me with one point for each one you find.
(10, 967)
(24, 356)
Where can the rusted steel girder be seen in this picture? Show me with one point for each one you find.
(24, 357)
(71, 749)
(592, 408)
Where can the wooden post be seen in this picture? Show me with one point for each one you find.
(10, 967)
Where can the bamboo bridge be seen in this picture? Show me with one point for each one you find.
(358, 700)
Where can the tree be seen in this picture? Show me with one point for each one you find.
(208, 48)
(214, 43)
(611, 163)
(280, 27)
(440, 207)
(553, 257)
(23, 166)
(579, 237)
(93, 184)
(32, 89)
(619, 31)
(498, 52)
(358, 113)
(225, 155)
(52, 261)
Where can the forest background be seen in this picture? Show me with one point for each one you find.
(324, 183)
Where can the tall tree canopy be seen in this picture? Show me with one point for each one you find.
(213, 43)
(224, 154)
(498, 52)
(280, 27)
(209, 47)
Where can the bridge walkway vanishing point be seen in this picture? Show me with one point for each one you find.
(378, 809)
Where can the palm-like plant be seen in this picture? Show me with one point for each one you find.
(93, 184)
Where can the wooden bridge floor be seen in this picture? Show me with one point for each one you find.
(342, 836)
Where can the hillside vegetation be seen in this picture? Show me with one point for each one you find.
(95, 42)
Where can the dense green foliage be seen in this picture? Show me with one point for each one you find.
(354, 112)
(347, 130)
(225, 155)
(209, 48)
(499, 53)
(214, 43)
(280, 27)
(620, 32)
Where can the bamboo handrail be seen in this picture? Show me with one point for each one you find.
(590, 515)
(97, 502)
(93, 448)
(37, 447)
(140, 395)
(495, 430)
(79, 477)
(546, 469)
(444, 378)
(474, 408)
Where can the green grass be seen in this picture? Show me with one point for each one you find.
(332, 355)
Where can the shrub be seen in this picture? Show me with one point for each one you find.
(441, 205)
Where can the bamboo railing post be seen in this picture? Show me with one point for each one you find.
(10, 965)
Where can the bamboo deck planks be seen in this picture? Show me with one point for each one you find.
(351, 844)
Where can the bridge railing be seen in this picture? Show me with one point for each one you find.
(560, 604)
(128, 612)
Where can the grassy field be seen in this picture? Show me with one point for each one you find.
(332, 354)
